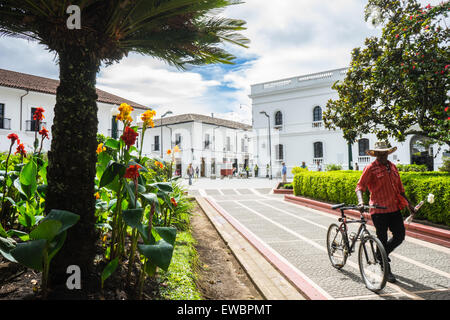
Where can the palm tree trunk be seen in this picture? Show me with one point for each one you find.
(72, 160)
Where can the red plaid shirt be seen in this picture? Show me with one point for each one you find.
(385, 187)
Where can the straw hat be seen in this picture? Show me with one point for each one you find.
(381, 146)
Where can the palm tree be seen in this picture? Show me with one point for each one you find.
(180, 32)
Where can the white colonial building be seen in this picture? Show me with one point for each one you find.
(211, 144)
(293, 109)
(21, 93)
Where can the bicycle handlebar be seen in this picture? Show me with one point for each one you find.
(343, 206)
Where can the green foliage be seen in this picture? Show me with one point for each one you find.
(333, 167)
(296, 170)
(398, 84)
(412, 167)
(338, 187)
(446, 165)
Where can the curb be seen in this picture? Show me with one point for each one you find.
(415, 230)
(285, 269)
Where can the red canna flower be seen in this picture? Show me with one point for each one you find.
(21, 150)
(44, 133)
(446, 109)
(173, 202)
(13, 137)
(38, 114)
(129, 136)
(132, 172)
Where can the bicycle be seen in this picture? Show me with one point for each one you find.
(372, 257)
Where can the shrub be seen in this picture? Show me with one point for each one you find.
(412, 167)
(339, 186)
(446, 166)
(333, 167)
(296, 170)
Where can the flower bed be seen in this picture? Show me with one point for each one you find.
(339, 186)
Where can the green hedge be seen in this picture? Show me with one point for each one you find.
(339, 186)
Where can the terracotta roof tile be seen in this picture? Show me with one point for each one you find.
(30, 82)
(192, 117)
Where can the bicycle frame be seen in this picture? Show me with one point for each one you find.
(361, 230)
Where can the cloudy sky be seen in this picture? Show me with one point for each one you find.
(288, 38)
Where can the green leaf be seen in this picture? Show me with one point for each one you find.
(30, 254)
(160, 253)
(67, 218)
(113, 144)
(20, 234)
(47, 230)
(28, 179)
(3, 232)
(55, 245)
(133, 217)
(109, 269)
(27, 220)
(163, 186)
(169, 234)
(150, 269)
(113, 170)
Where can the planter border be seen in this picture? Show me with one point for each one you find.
(415, 230)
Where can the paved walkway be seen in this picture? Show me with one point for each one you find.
(295, 238)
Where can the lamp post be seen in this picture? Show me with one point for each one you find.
(214, 140)
(165, 114)
(270, 143)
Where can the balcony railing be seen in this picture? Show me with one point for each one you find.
(32, 125)
(5, 123)
(363, 159)
(318, 161)
(119, 133)
(317, 124)
(155, 147)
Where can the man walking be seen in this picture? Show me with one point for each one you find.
(190, 173)
(386, 189)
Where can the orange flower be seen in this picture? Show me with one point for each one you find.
(125, 111)
(21, 150)
(169, 151)
(147, 118)
(44, 133)
(97, 195)
(176, 149)
(173, 202)
(100, 148)
(38, 114)
(159, 164)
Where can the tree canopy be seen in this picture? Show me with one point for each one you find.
(398, 84)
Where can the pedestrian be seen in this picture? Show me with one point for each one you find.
(319, 166)
(267, 170)
(303, 165)
(196, 172)
(256, 170)
(247, 170)
(283, 171)
(190, 173)
(382, 180)
(356, 166)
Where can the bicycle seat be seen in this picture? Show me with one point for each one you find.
(337, 206)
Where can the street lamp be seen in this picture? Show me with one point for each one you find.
(165, 114)
(270, 143)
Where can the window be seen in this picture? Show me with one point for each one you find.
(207, 142)
(242, 145)
(318, 150)
(278, 118)
(2, 116)
(317, 114)
(156, 144)
(114, 130)
(363, 146)
(228, 144)
(279, 152)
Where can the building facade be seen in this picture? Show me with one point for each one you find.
(293, 108)
(208, 143)
(21, 93)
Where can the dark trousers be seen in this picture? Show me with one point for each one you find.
(392, 221)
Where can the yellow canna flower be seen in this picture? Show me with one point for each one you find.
(176, 149)
(100, 148)
(147, 118)
(97, 195)
(125, 111)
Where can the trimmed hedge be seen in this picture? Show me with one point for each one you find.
(339, 186)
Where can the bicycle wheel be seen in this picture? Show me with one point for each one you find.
(337, 250)
(373, 262)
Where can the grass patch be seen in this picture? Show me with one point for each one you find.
(179, 281)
